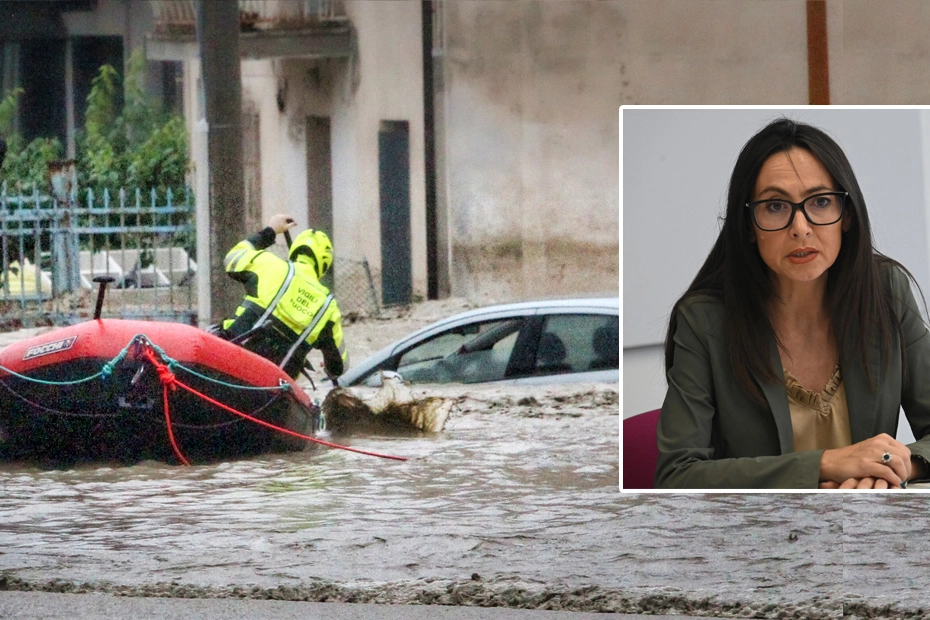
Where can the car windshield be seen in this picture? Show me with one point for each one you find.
(467, 354)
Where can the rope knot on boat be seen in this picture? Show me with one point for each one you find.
(165, 375)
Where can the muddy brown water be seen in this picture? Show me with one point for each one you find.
(516, 502)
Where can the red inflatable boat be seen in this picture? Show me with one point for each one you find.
(125, 391)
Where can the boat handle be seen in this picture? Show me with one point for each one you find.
(102, 281)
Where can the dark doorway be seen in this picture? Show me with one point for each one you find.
(394, 189)
(42, 104)
(319, 175)
(172, 80)
(252, 170)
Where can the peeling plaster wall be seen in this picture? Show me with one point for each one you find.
(712, 52)
(302, 88)
(531, 96)
(385, 83)
(281, 173)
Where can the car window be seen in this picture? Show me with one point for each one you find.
(479, 353)
(578, 343)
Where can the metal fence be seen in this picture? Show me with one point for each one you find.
(354, 288)
(53, 250)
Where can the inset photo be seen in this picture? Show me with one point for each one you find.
(775, 267)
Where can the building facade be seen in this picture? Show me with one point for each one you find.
(463, 149)
(460, 148)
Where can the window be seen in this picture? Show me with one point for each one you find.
(578, 343)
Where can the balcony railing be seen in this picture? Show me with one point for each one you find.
(268, 29)
(178, 17)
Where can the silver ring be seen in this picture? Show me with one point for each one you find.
(886, 458)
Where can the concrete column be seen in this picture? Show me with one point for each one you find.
(218, 39)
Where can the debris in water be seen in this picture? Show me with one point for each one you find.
(391, 408)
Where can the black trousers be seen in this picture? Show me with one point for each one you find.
(272, 341)
(271, 345)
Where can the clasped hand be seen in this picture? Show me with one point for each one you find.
(280, 222)
(860, 466)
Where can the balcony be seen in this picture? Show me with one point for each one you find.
(267, 29)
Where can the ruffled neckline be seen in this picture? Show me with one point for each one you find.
(819, 401)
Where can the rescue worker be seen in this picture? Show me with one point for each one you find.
(286, 310)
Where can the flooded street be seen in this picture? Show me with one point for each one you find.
(501, 494)
(515, 503)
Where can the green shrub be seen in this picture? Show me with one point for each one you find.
(25, 165)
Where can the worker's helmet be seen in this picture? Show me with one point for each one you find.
(316, 244)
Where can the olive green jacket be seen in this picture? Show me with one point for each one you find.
(712, 434)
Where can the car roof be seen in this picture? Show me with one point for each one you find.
(543, 306)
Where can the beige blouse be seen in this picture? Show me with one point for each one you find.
(819, 421)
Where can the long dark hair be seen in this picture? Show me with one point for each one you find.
(735, 272)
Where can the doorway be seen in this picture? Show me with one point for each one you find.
(320, 181)
(394, 192)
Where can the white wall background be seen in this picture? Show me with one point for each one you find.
(675, 169)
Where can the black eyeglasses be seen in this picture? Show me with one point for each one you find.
(777, 213)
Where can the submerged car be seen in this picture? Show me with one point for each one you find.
(553, 341)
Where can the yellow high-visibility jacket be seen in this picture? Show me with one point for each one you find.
(287, 297)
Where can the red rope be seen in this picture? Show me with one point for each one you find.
(167, 377)
(174, 443)
(171, 381)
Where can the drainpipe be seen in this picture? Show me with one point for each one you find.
(429, 157)
(818, 65)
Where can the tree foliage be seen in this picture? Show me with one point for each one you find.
(128, 140)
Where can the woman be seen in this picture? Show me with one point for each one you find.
(796, 344)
